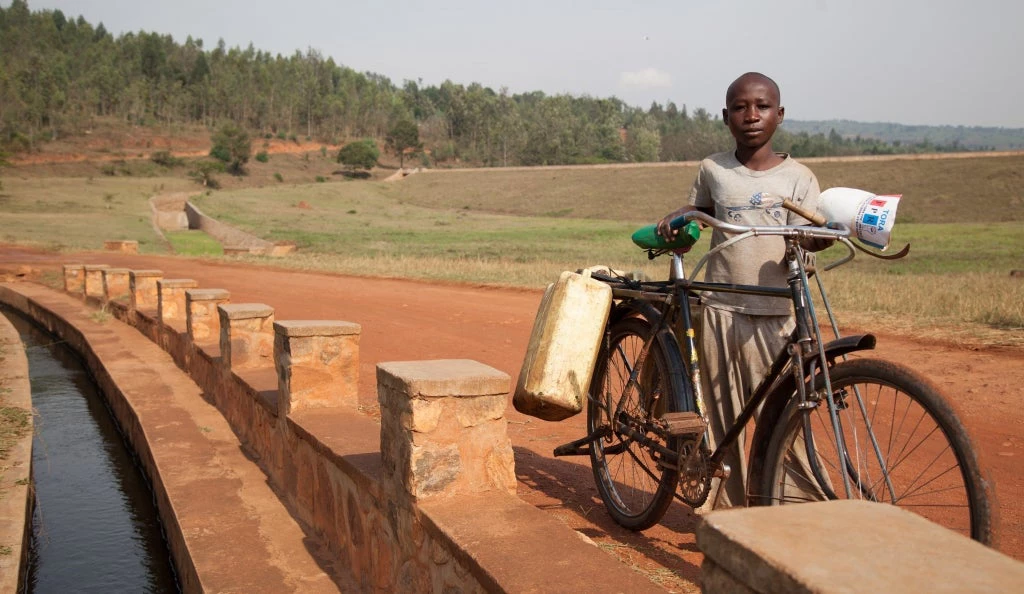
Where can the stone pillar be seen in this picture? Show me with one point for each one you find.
(201, 316)
(246, 335)
(126, 246)
(317, 364)
(74, 278)
(94, 280)
(885, 548)
(142, 284)
(443, 429)
(115, 284)
(171, 299)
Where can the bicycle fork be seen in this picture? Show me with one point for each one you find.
(806, 320)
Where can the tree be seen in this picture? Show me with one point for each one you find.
(203, 172)
(404, 135)
(361, 154)
(232, 146)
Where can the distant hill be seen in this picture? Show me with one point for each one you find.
(969, 137)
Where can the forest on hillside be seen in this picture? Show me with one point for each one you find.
(57, 74)
(968, 138)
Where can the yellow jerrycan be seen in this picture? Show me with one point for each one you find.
(566, 337)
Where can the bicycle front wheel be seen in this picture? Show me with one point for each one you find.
(900, 443)
(629, 391)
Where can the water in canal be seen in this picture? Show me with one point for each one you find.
(95, 527)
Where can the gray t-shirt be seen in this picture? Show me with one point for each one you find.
(746, 197)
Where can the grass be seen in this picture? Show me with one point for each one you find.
(985, 189)
(14, 422)
(956, 276)
(193, 243)
(80, 213)
(521, 227)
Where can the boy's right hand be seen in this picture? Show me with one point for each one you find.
(664, 227)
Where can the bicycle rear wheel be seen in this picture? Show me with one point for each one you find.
(634, 483)
(903, 445)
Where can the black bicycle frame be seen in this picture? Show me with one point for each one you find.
(682, 289)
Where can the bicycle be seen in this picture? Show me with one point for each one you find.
(829, 427)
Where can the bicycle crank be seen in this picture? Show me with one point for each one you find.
(694, 472)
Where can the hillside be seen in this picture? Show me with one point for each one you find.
(965, 137)
(67, 74)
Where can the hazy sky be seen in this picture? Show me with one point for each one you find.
(906, 61)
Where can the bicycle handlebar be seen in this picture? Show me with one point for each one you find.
(833, 231)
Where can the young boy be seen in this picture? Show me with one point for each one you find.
(742, 334)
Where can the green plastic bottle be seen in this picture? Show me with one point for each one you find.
(648, 238)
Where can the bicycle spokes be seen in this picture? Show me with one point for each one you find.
(892, 448)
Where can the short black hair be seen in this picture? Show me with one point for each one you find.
(748, 75)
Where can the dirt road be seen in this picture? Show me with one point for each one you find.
(406, 320)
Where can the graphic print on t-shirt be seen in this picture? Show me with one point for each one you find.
(771, 205)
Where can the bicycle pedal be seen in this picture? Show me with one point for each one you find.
(684, 423)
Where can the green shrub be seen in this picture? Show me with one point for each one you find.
(361, 154)
(203, 172)
(281, 136)
(232, 146)
(279, 177)
(221, 153)
(262, 156)
(320, 179)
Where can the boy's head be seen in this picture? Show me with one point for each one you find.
(753, 110)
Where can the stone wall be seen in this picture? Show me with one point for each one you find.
(16, 467)
(169, 212)
(174, 212)
(234, 240)
(422, 499)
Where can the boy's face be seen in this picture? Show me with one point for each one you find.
(752, 111)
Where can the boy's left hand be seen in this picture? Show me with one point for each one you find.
(816, 244)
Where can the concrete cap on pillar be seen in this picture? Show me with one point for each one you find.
(299, 328)
(207, 294)
(178, 283)
(443, 378)
(245, 311)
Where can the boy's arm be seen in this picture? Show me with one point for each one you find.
(700, 200)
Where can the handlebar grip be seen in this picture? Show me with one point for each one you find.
(817, 219)
(678, 222)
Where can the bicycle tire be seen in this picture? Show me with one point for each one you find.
(635, 488)
(932, 467)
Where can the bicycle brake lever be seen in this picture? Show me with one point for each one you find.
(900, 254)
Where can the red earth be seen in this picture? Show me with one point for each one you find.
(409, 320)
